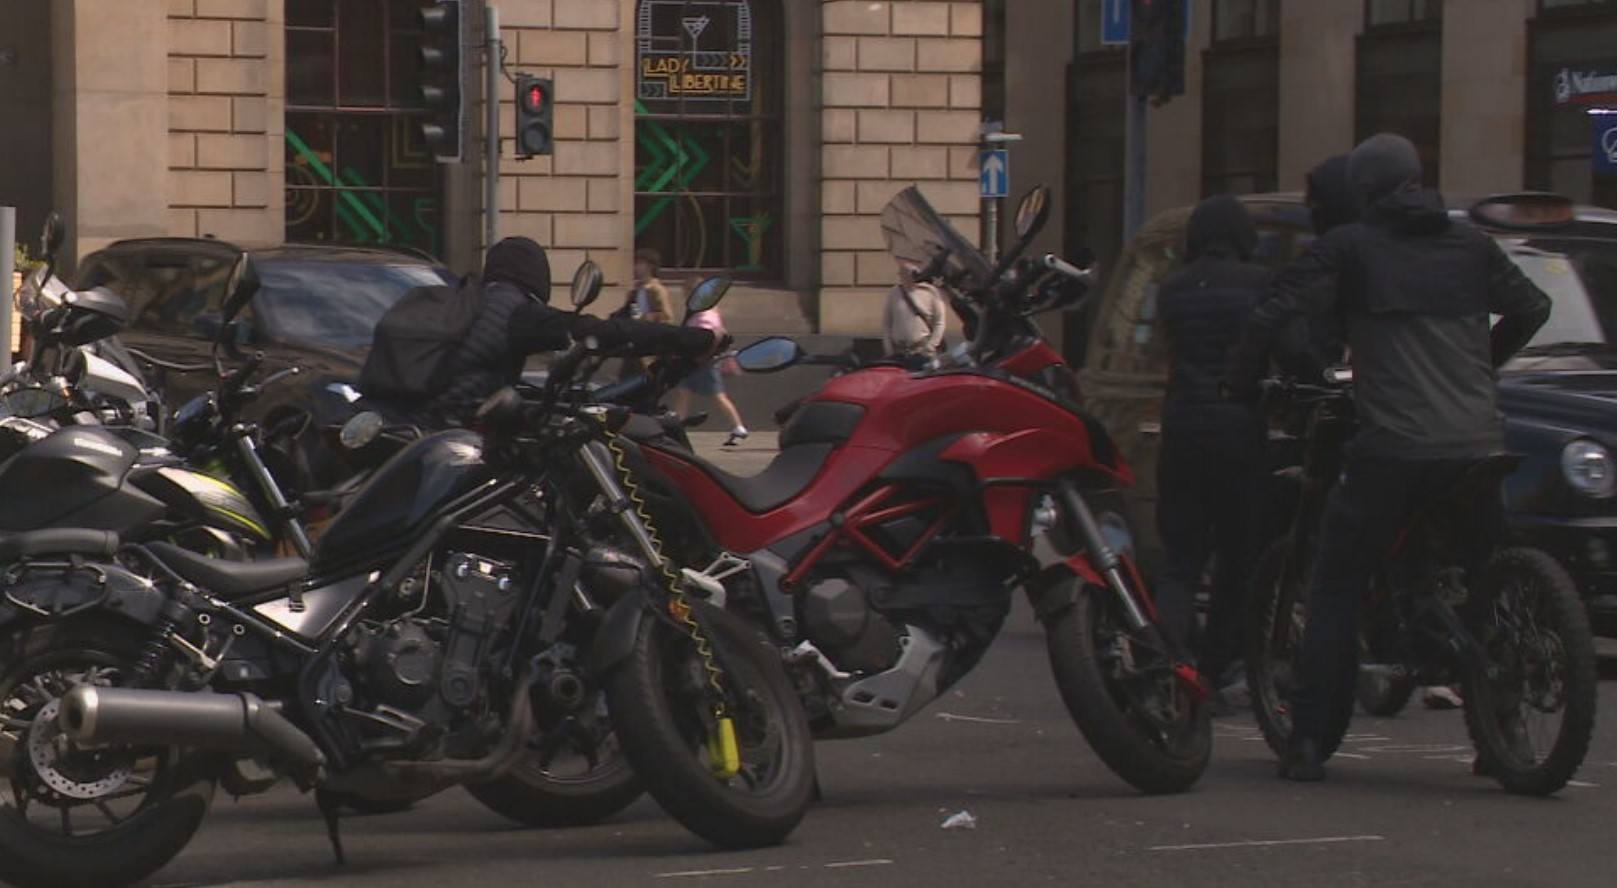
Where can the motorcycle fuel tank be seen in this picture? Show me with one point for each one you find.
(403, 494)
(74, 477)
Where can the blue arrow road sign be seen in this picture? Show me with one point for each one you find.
(1114, 21)
(996, 173)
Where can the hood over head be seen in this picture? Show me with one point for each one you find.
(1220, 226)
(1331, 200)
(1383, 164)
(522, 262)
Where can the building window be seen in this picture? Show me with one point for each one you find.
(1245, 19)
(1400, 77)
(356, 168)
(1241, 98)
(1569, 47)
(708, 134)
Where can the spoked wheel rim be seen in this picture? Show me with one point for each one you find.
(760, 733)
(1528, 685)
(578, 750)
(1145, 688)
(51, 784)
(1288, 616)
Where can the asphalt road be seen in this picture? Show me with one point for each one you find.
(1400, 808)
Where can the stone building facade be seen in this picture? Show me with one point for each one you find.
(263, 120)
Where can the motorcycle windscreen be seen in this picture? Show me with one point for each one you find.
(915, 234)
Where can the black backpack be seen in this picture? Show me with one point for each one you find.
(416, 340)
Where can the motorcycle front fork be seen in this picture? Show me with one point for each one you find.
(248, 451)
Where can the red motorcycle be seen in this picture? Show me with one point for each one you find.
(881, 547)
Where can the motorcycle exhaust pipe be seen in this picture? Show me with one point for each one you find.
(239, 722)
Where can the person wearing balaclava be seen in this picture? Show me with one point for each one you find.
(1415, 291)
(1212, 448)
(1308, 345)
(516, 321)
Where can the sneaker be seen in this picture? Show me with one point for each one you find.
(737, 435)
(1443, 697)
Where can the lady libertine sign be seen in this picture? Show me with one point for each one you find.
(694, 51)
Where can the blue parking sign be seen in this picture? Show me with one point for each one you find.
(1114, 21)
(996, 174)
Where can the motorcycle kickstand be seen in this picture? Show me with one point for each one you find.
(330, 803)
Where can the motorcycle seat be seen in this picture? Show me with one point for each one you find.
(230, 579)
(787, 475)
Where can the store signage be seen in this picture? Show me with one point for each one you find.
(690, 50)
(1605, 141)
(1585, 85)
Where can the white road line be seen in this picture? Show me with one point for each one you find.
(689, 874)
(1351, 755)
(844, 864)
(976, 719)
(1269, 843)
(1583, 784)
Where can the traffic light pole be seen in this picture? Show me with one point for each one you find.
(491, 126)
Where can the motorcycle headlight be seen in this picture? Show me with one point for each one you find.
(360, 430)
(1587, 467)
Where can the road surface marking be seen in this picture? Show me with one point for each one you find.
(687, 874)
(976, 719)
(844, 864)
(1268, 843)
(1351, 755)
(1583, 784)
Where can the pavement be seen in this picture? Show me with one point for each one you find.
(1400, 808)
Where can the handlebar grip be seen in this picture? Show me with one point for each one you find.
(1058, 265)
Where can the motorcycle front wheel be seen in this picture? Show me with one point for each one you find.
(1126, 699)
(662, 714)
(575, 774)
(1530, 700)
(74, 817)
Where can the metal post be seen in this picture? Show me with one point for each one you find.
(1134, 167)
(491, 127)
(991, 228)
(8, 255)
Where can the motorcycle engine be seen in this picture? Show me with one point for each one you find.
(428, 666)
(839, 620)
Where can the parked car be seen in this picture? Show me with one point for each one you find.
(315, 310)
(1559, 395)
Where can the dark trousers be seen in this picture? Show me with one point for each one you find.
(1370, 507)
(1207, 506)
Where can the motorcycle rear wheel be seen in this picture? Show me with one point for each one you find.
(659, 705)
(1526, 615)
(1272, 651)
(150, 801)
(1157, 752)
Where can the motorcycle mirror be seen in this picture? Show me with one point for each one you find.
(52, 236)
(587, 283)
(1033, 212)
(769, 355)
(243, 286)
(707, 294)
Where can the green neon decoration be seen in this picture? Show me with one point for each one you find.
(319, 166)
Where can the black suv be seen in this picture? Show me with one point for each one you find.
(1559, 395)
(315, 311)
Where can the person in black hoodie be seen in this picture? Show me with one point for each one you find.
(1308, 345)
(1414, 292)
(1212, 448)
(516, 321)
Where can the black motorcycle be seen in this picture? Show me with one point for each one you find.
(1443, 608)
(415, 651)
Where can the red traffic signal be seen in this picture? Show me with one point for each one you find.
(534, 96)
(536, 112)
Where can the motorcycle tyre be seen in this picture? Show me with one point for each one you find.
(643, 719)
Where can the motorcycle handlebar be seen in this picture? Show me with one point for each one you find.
(1055, 263)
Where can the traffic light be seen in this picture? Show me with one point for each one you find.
(536, 116)
(1157, 49)
(443, 79)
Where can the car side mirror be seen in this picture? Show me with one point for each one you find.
(769, 355)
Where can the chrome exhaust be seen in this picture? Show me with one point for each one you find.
(243, 722)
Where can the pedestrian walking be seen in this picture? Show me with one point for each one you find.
(1415, 292)
(1212, 449)
(648, 300)
(708, 382)
(916, 317)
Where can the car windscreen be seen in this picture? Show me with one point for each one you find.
(1580, 276)
(332, 304)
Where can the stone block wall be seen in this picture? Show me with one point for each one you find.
(226, 119)
(902, 99)
(574, 201)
